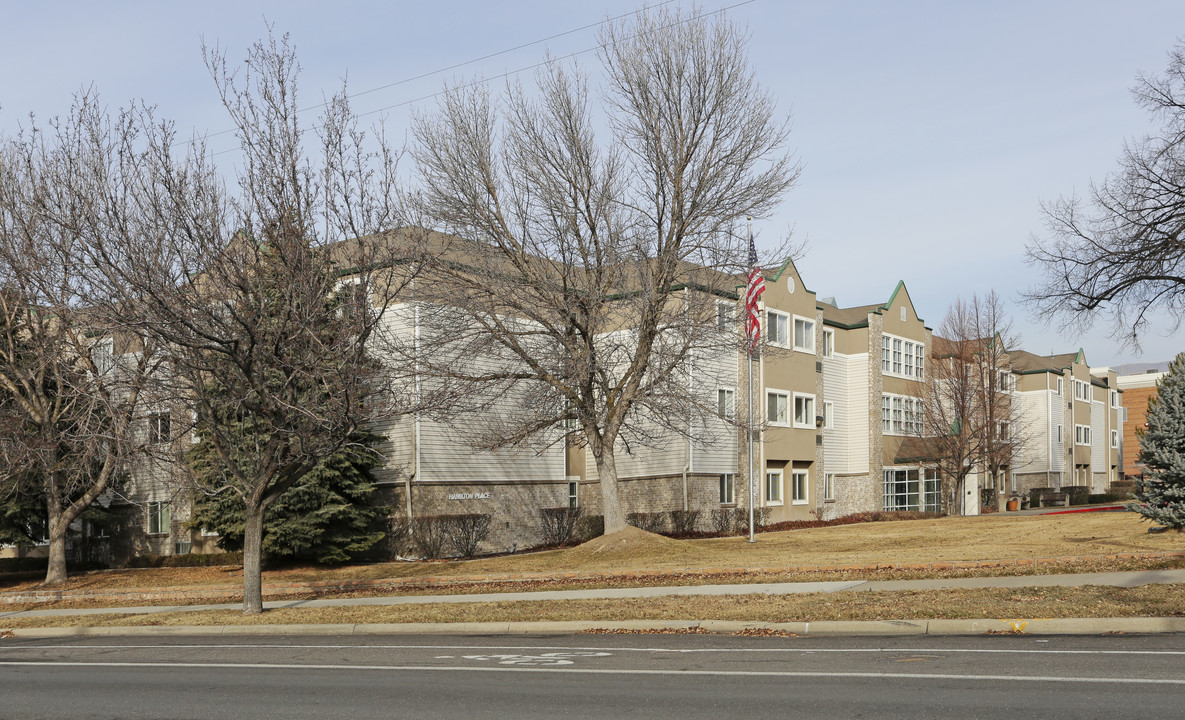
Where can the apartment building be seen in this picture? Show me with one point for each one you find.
(1074, 422)
(1135, 392)
(838, 404)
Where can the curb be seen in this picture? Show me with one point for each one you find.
(826, 628)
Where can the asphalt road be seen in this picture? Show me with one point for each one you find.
(594, 676)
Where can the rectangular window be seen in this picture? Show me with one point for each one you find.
(1081, 390)
(1114, 398)
(898, 415)
(804, 335)
(1060, 438)
(919, 353)
(800, 478)
(901, 415)
(777, 408)
(828, 486)
(728, 489)
(828, 343)
(911, 489)
(828, 414)
(573, 494)
(1115, 438)
(777, 329)
(773, 487)
(726, 403)
(159, 428)
(1082, 435)
(158, 518)
(897, 355)
(1059, 386)
(804, 411)
(724, 315)
(886, 414)
(886, 352)
(909, 363)
(903, 358)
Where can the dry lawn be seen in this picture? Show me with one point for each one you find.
(991, 537)
(1010, 603)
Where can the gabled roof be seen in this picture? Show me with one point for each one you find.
(847, 318)
(1024, 362)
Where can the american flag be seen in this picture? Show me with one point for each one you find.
(753, 290)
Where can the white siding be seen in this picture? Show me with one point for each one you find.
(1038, 432)
(1100, 438)
(845, 383)
(1057, 414)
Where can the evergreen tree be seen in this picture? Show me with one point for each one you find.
(1160, 492)
(327, 517)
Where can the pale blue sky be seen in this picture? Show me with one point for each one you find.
(929, 131)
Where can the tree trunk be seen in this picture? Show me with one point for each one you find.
(610, 500)
(56, 573)
(252, 557)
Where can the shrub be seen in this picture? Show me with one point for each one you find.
(186, 560)
(20, 565)
(741, 518)
(1109, 497)
(650, 522)
(723, 520)
(398, 535)
(589, 527)
(1078, 494)
(558, 525)
(684, 521)
(430, 535)
(465, 532)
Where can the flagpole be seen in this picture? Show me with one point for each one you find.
(749, 427)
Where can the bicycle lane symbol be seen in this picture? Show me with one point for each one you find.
(550, 659)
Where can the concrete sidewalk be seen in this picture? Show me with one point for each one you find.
(1114, 579)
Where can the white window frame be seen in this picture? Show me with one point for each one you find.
(573, 494)
(725, 316)
(800, 487)
(1083, 435)
(156, 515)
(1060, 436)
(775, 319)
(784, 420)
(1082, 391)
(809, 422)
(828, 343)
(828, 415)
(1060, 388)
(773, 481)
(160, 428)
(1115, 399)
(1115, 439)
(828, 486)
(901, 415)
(726, 402)
(728, 489)
(902, 357)
(808, 334)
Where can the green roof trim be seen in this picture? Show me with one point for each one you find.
(844, 326)
(778, 275)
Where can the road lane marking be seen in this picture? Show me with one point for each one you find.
(546, 659)
(608, 671)
(4, 648)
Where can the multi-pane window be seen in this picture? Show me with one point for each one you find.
(798, 488)
(1081, 390)
(911, 489)
(804, 411)
(1082, 435)
(157, 518)
(724, 315)
(773, 487)
(777, 328)
(828, 343)
(901, 415)
(804, 335)
(777, 408)
(1005, 381)
(1114, 438)
(573, 494)
(828, 486)
(726, 403)
(159, 428)
(902, 357)
(728, 488)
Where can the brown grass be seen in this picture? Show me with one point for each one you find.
(999, 603)
(992, 537)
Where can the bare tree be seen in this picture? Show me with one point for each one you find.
(74, 381)
(586, 269)
(970, 419)
(1123, 253)
(270, 300)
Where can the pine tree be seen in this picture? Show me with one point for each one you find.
(1160, 492)
(328, 517)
